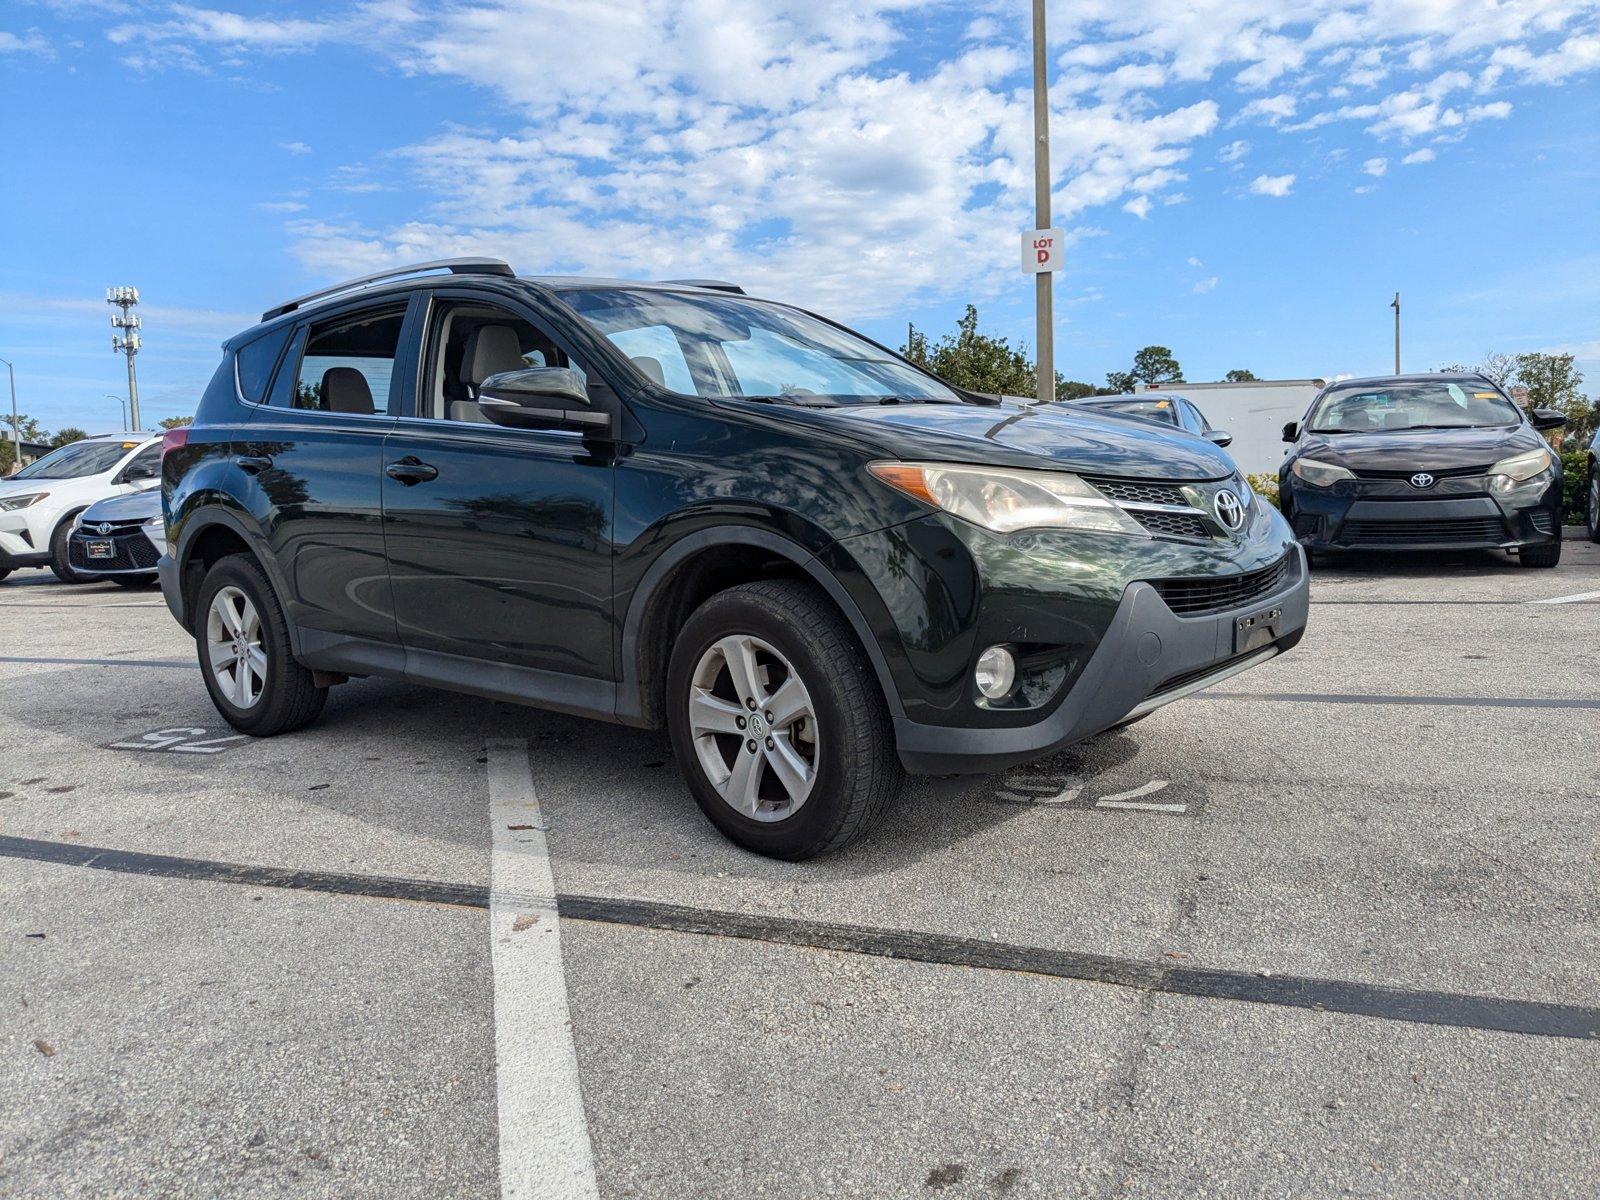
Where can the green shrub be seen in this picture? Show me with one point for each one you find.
(1575, 481)
(1265, 486)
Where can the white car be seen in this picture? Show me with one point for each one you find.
(40, 503)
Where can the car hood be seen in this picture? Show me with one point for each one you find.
(135, 506)
(1419, 450)
(1048, 435)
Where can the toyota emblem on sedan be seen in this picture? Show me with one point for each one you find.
(1229, 511)
(103, 527)
(1422, 480)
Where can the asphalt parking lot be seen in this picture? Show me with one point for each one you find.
(1327, 929)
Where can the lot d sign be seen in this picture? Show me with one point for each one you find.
(1041, 250)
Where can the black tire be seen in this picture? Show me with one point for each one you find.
(1541, 556)
(133, 581)
(60, 561)
(289, 699)
(1592, 516)
(4, 571)
(857, 773)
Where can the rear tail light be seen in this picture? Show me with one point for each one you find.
(172, 439)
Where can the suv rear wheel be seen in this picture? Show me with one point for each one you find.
(243, 643)
(778, 723)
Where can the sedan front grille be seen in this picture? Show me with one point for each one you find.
(1210, 594)
(1464, 530)
(133, 553)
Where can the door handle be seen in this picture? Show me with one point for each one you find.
(252, 464)
(411, 470)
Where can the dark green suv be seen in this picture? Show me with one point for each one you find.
(672, 505)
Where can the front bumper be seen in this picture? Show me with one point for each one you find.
(17, 546)
(1388, 515)
(1149, 656)
(134, 552)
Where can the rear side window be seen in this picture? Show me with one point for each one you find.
(255, 361)
(349, 361)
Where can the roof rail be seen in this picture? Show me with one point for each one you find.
(456, 266)
(716, 285)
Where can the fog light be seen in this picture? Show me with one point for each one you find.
(997, 671)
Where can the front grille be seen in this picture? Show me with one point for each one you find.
(1462, 529)
(1443, 473)
(1218, 593)
(1166, 524)
(1130, 491)
(134, 552)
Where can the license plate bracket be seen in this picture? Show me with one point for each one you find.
(100, 548)
(1257, 630)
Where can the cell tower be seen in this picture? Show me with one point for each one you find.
(127, 342)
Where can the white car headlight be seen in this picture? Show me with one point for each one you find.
(12, 503)
(1523, 466)
(1007, 501)
(1319, 474)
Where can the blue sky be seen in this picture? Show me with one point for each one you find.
(1245, 181)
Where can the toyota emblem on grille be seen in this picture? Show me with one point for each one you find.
(103, 527)
(1422, 480)
(1229, 511)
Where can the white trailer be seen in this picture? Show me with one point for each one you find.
(1255, 413)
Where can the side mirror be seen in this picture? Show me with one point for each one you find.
(1291, 431)
(139, 472)
(1546, 418)
(540, 398)
(1219, 437)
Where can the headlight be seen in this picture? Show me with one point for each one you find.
(1523, 466)
(12, 503)
(1007, 501)
(155, 522)
(1319, 474)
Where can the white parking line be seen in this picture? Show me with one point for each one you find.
(1573, 599)
(1130, 799)
(544, 1134)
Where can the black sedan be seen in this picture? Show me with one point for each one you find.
(1423, 462)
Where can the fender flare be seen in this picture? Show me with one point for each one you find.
(209, 519)
(630, 700)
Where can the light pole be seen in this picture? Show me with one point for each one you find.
(1396, 306)
(127, 342)
(16, 428)
(1044, 317)
(122, 406)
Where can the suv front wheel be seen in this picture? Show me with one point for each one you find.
(778, 723)
(243, 642)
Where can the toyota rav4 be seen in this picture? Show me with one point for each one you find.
(674, 505)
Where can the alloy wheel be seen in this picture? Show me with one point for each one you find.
(754, 728)
(233, 645)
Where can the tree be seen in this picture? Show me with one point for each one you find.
(175, 422)
(1552, 381)
(1072, 389)
(1152, 366)
(30, 429)
(1240, 375)
(1500, 369)
(68, 435)
(978, 362)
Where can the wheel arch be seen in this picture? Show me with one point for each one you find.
(692, 569)
(210, 535)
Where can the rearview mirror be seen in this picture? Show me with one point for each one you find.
(1546, 418)
(540, 398)
(1291, 431)
(1219, 437)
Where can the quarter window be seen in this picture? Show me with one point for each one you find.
(255, 362)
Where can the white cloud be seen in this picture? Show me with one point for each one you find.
(1375, 166)
(1271, 109)
(282, 206)
(1419, 156)
(1233, 152)
(1195, 262)
(1206, 285)
(31, 42)
(1272, 185)
(295, 147)
(1139, 206)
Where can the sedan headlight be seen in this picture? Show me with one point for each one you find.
(1319, 474)
(155, 522)
(1008, 501)
(12, 503)
(1523, 466)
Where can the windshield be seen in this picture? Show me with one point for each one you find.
(727, 346)
(1151, 410)
(1428, 405)
(77, 461)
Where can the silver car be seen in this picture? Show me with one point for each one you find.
(120, 539)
